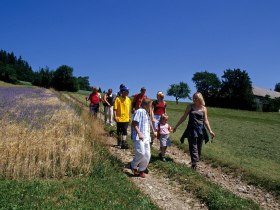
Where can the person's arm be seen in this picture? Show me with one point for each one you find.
(129, 110)
(133, 104)
(152, 127)
(135, 126)
(183, 118)
(170, 129)
(88, 97)
(115, 115)
(165, 105)
(206, 122)
(152, 114)
(115, 110)
(105, 97)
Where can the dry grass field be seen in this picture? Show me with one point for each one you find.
(41, 136)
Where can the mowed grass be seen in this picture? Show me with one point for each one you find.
(213, 195)
(247, 143)
(81, 96)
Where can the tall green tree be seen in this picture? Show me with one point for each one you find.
(207, 83)
(277, 87)
(237, 89)
(43, 78)
(24, 71)
(8, 73)
(179, 91)
(63, 79)
(271, 105)
(14, 69)
(84, 83)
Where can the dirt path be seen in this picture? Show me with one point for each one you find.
(165, 193)
(227, 181)
(168, 194)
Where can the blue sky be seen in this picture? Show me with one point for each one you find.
(151, 43)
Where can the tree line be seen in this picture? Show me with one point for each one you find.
(13, 70)
(233, 91)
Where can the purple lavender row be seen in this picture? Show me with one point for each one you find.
(13, 108)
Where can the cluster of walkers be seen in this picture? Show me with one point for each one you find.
(150, 121)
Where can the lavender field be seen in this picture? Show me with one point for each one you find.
(41, 136)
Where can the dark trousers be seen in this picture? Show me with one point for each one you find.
(122, 128)
(195, 147)
(94, 109)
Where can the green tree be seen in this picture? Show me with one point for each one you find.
(180, 90)
(7, 67)
(277, 87)
(8, 73)
(63, 79)
(43, 78)
(13, 69)
(207, 83)
(84, 83)
(270, 105)
(72, 84)
(24, 71)
(237, 89)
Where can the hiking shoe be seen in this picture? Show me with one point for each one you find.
(130, 167)
(146, 171)
(182, 140)
(142, 174)
(119, 142)
(163, 159)
(124, 145)
(134, 170)
(194, 167)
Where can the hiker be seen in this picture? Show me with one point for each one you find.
(159, 108)
(108, 102)
(195, 131)
(163, 131)
(138, 98)
(121, 86)
(122, 116)
(140, 134)
(94, 99)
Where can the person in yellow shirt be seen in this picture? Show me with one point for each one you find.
(122, 106)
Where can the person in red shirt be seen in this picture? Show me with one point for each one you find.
(138, 98)
(158, 108)
(94, 99)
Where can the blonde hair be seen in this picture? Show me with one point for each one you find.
(163, 117)
(199, 96)
(160, 93)
(146, 102)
